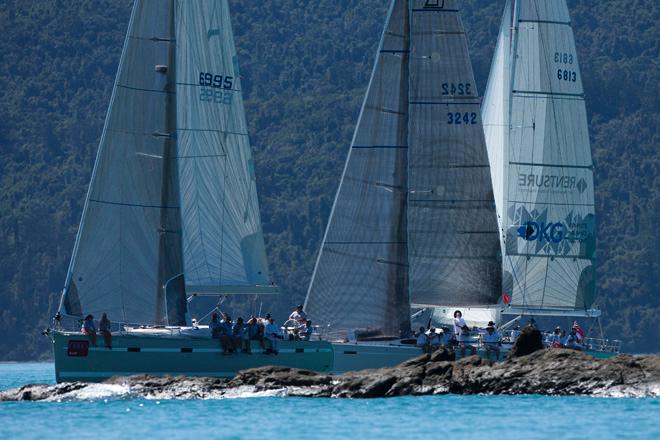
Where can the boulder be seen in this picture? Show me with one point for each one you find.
(529, 341)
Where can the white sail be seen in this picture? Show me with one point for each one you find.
(223, 245)
(545, 190)
(131, 212)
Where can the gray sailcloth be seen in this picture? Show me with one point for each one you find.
(453, 244)
(360, 277)
(128, 243)
(414, 217)
(223, 245)
(538, 143)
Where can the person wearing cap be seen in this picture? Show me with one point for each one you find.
(462, 333)
(422, 340)
(555, 338)
(491, 340)
(298, 315)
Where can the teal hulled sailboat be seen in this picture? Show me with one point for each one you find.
(172, 209)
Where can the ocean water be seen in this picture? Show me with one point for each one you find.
(437, 417)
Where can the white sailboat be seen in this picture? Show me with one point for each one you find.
(536, 129)
(413, 227)
(171, 211)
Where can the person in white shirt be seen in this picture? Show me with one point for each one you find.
(298, 315)
(462, 333)
(491, 340)
(305, 331)
(422, 340)
(272, 334)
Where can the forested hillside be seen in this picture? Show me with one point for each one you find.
(305, 67)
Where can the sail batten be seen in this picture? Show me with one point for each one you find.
(453, 246)
(223, 244)
(117, 265)
(541, 154)
(360, 277)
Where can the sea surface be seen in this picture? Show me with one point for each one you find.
(438, 417)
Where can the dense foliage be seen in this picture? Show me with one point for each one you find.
(305, 65)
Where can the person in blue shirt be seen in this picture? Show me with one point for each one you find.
(226, 333)
(237, 335)
(422, 340)
(89, 329)
(492, 341)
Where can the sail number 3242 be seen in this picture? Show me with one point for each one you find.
(461, 118)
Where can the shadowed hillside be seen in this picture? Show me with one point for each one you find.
(305, 67)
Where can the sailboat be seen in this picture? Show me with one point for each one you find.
(536, 130)
(413, 228)
(171, 211)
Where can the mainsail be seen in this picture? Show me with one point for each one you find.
(453, 246)
(538, 144)
(360, 278)
(174, 161)
(414, 216)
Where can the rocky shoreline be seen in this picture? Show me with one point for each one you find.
(544, 371)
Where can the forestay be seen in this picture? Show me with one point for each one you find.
(223, 245)
(360, 277)
(540, 152)
(453, 245)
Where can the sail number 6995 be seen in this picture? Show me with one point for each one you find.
(216, 81)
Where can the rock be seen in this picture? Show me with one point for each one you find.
(529, 341)
(547, 371)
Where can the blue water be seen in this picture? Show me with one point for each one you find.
(461, 417)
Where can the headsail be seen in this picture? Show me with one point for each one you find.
(360, 278)
(453, 245)
(127, 244)
(223, 245)
(545, 189)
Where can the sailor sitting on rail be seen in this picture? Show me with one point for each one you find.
(491, 340)
(423, 340)
(572, 341)
(305, 331)
(437, 338)
(555, 339)
(89, 329)
(272, 334)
